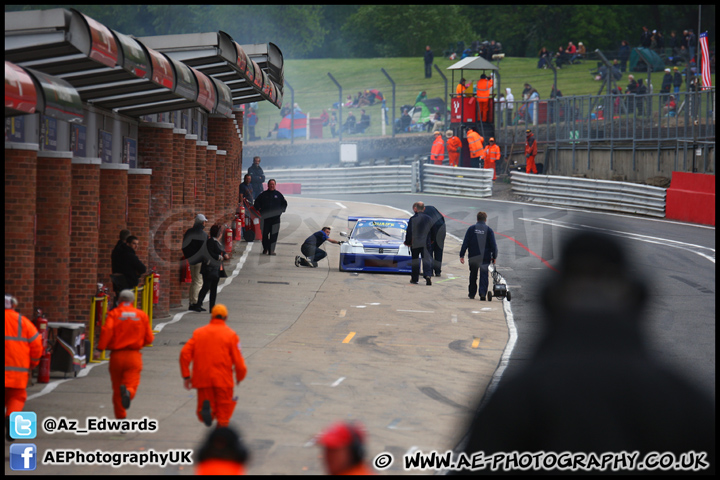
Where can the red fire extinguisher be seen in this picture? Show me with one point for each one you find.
(228, 239)
(42, 325)
(156, 284)
(238, 228)
(186, 274)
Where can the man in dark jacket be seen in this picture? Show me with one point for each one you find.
(482, 249)
(429, 57)
(258, 176)
(417, 237)
(271, 204)
(194, 249)
(437, 238)
(129, 264)
(592, 385)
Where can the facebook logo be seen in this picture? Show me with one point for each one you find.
(23, 425)
(23, 456)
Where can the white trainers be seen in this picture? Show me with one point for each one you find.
(297, 260)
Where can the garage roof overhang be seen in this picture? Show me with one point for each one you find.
(109, 69)
(252, 72)
(28, 91)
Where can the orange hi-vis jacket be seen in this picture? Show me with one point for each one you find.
(475, 142)
(23, 349)
(126, 328)
(460, 89)
(492, 155)
(531, 147)
(215, 466)
(484, 85)
(213, 350)
(437, 152)
(454, 144)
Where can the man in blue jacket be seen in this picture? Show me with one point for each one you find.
(480, 244)
(311, 248)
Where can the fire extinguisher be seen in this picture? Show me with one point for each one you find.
(238, 228)
(186, 276)
(228, 239)
(42, 325)
(241, 218)
(101, 292)
(156, 284)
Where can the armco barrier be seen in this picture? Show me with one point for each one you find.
(468, 182)
(588, 193)
(691, 198)
(375, 179)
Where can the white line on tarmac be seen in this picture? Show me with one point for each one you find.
(340, 205)
(337, 382)
(633, 236)
(178, 316)
(417, 311)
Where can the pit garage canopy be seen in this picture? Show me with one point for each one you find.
(29, 91)
(109, 69)
(252, 72)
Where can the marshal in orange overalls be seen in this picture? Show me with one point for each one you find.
(23, 349)
(492, 155)
(126, 331)
(454, 145)
(437, 152)
(213, 350)
(530, 152)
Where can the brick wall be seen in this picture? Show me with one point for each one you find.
(84, 237)
(189, 186)
(220, 159)
(139, 209)
(200, 177)
(52, 250)
(155, 151)
(113, 215)
(20, 201)
(210, 174)
(178, 227)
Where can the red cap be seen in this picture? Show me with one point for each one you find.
(340, 435)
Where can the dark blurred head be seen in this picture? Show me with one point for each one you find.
(214, 230)
(594, 276)
(223, 443)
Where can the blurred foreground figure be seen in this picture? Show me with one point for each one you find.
(223, 453)
(592, 386)
(344, 449)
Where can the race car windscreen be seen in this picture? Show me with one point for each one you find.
(379, 230)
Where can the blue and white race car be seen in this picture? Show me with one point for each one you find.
(375, 244)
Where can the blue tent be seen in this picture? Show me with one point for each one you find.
(299, 130)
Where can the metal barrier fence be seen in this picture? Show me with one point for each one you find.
(375, 179)
(469, 182)
(612, 118)
(595, 194)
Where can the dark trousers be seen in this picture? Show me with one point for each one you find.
(270, 231)
(210, 284)
(416, 254)
(428, 70)
(313, 253)
(475, 267)
(436, 251)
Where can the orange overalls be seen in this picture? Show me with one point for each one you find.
(484, 85)
(454, 144)
(475, 142)
(23, 349)
(492, 155)
(530, 152)
(216, 466)
(213, 350)
(437, 152)
(126, 331)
